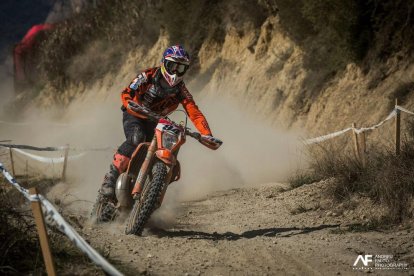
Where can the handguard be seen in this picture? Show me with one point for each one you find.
(210, 142)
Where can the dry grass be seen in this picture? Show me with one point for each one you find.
(387, 179)
(19, 247)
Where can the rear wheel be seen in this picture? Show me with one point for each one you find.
(103, 210)
(149, 201)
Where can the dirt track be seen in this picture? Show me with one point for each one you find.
(254, 231)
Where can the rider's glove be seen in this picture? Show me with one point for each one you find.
(210, 141)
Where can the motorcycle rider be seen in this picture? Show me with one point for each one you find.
(161, 89)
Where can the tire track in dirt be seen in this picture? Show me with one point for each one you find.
(249, 231)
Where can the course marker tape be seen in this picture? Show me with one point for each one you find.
(14, 183)
(404, 110)
(326, 137)
(33, 124)
(63, 226)
(357, 130)
(60, 148)
(389, 117)
(49, 160)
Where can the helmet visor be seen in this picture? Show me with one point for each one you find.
(175, 67)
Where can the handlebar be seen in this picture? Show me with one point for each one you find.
(193, 134)
(210, 142)
(145, 111)
(156, 117)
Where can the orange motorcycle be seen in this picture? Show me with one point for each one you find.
(153, 166)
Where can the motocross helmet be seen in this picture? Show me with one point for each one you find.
(174, 63)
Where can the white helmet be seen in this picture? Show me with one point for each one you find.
(174, 63)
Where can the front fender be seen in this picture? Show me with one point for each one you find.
(166, 156)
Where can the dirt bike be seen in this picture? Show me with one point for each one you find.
(153, 166)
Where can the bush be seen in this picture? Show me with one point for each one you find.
(19, 247)
(20, 252)
(386, 179)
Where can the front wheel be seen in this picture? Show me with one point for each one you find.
(150, 198)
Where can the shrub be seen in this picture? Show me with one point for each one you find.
(20, 252)
(386, 178)
(19, 246)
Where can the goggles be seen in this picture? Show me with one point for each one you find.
(174, 67)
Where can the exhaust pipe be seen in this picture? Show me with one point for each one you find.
(123, 191)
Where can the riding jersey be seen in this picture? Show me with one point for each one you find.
(146, 90)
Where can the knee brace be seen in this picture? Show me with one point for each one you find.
(136, 136)
(120, 162)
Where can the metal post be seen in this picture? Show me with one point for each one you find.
(397, 130)
(43, 237)
(65, 162)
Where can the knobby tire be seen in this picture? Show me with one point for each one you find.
(149, 201)
(103, 210)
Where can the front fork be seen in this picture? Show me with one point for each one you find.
(143, 172)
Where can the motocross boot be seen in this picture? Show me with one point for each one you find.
(118, 166)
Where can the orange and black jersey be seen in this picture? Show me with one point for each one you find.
(146, 90)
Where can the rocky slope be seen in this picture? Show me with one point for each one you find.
(317, 71)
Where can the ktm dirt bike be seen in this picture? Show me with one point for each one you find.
(153, 166)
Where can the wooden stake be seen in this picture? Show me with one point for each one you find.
(12, 162)
(27, 171)
(397, 130)
(356, 144)
(43, 237)
(363, 150)
(65, 162)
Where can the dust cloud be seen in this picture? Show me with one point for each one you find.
(85, 125)
(6, 82)
(253, 152)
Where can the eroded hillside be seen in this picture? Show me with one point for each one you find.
(303, 64)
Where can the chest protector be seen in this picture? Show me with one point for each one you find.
(160, 99)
